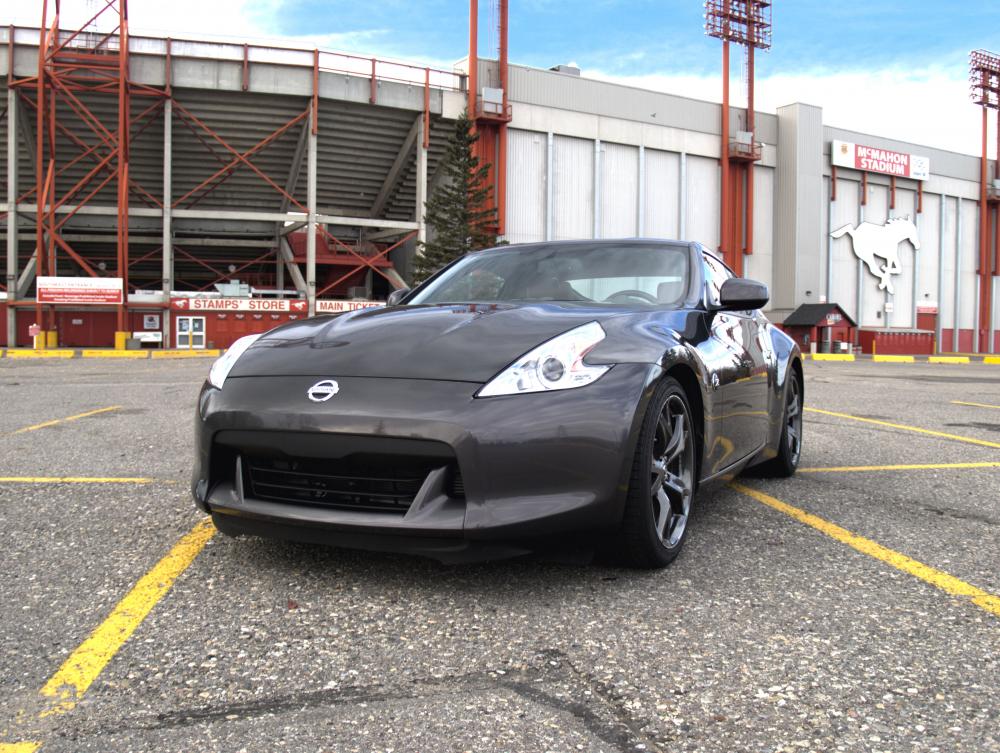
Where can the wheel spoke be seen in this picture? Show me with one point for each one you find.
(676, 446)
(663, 513)
(659, 472)
(793, 407)
(675, 484)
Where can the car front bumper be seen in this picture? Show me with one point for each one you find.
(530, 465)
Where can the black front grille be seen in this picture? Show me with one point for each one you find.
(347, 484)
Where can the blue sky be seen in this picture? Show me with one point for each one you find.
(893, 68)
(626, 37)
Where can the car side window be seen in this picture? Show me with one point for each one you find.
(716, 273)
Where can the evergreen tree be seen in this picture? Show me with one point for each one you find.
(460, 210)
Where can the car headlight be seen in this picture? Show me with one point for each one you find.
(554, 365)
(224, 363)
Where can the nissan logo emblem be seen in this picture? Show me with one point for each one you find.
(323, 391)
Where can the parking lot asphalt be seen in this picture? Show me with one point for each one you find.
(861, 612)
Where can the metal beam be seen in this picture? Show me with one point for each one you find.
(12, 218)
(296, 166)
(395, 172)
(311, 217)
(421, 194)
(285, 252)
(167, 276)
(154, 240)
(336, 219)
(26, 277)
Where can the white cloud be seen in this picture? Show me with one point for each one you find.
(928, 106)
(221, 20)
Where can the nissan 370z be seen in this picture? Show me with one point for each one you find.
(523, 394)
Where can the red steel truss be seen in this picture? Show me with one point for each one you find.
(491, 121)
(75, 69)
(747, 23)
(984, 78)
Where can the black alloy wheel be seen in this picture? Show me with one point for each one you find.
(662, 485)
(785, 463)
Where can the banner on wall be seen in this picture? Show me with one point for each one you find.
(884, 161)
(80, 290)
(267, 305)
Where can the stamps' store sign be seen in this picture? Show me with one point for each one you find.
(269, 305)
(884, 161)
(80, 290)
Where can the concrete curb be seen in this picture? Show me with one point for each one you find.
(992, 360)
(137, 355)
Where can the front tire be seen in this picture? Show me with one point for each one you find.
(661, 487)
(785, 463)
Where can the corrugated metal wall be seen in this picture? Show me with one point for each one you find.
(925, 263)
(526, 186)
(619, 191)
(661, 208)
(572, 188)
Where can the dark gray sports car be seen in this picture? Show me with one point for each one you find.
(523, 394)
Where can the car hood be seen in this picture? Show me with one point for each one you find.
(468, 342)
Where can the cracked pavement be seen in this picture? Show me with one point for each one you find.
(764, 636)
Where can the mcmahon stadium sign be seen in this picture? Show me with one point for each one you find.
(884, 161)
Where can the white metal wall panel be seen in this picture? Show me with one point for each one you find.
(702, 216)
(526, 164)
(572, 188)
(619, 190)
(946, 313)
(760, 264)
(930, 248)
(970, 260)
(662, 199)
(845, 265)
(873, 299)
(902, 301)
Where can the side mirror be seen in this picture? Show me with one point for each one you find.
(396, 296)
(740, 294)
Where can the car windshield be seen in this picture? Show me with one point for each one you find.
(630, 274)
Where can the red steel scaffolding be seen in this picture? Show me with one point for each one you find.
(984, 77)
(747, 23)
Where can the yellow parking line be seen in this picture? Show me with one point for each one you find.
(77, 480)
(75, 676)
(51, 353)
(917, 429)
(976, 405)
(947, 583)
(916, 467)
(833, 356)
(19, 747)
(68, 418)
(114, 354)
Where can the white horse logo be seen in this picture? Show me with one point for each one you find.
(870, 240)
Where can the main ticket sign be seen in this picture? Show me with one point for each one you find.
(269, 305)
(80, 290)
(875, 160)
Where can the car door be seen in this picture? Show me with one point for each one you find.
(743, 376)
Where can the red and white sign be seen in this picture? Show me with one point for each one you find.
(270, 305)
(335, 307)
(277, 305)
(884, 161)
(80, 290)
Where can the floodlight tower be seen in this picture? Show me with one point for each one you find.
(746, 23)
(984, 77)
(488, 106)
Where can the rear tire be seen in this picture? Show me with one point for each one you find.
(785, 463)
(661, 487)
